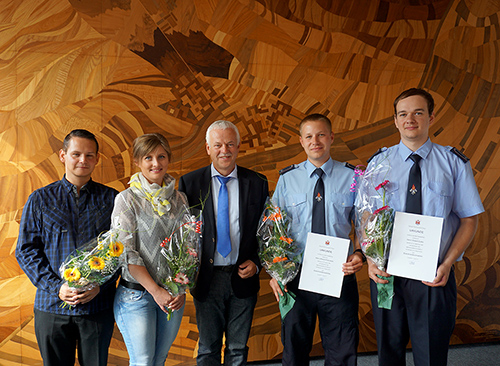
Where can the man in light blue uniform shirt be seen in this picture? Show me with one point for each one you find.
(338, 317)
(424, 311)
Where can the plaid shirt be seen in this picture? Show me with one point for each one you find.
(54, 223)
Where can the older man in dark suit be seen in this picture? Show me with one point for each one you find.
(232, 199)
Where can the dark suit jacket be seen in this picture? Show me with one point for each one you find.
(253, 191)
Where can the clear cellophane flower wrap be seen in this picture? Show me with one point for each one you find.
(374, 218)
(94, 263)
(179, 260)
(278, 252)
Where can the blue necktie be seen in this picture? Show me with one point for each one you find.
(223, 237)
(318, 211)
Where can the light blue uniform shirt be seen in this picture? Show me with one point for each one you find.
(294, 193)
(233, 192)
(448, 186)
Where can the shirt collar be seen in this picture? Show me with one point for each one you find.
(215, 173)
(71, 187)
(327, 167)
(423, 150)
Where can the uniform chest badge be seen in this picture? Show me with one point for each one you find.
(413, 190)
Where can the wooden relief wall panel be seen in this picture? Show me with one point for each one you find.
(127, 67)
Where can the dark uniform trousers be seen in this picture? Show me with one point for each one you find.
(338, 325)
(420, 312)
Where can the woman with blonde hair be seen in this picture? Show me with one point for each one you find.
(145, 215)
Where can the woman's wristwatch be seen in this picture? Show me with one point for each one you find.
(362, 254)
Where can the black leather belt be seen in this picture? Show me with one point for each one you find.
(224, 268)
(131, 285)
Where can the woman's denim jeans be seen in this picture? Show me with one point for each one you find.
(146, 331)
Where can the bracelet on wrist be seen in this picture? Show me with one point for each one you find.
(362, 254)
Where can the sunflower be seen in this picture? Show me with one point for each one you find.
(115, 249)
(96, 263)
(71, 274)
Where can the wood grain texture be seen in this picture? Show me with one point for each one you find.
(127, 67)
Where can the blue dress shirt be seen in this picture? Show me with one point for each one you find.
(448, 186)
(294, 193)
(56, 221)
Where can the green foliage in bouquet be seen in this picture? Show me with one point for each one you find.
(92, 264)
(180, 251)
(279, 253)
(378, 235)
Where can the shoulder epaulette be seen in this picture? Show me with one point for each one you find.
(349, 165)
(378, 152)
(460, 154)
(288, 168)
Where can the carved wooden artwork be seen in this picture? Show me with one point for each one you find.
(128, 67)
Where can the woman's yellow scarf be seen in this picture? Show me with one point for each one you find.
(155, 194)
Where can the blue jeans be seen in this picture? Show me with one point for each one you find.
(146, 331)
(222, 312)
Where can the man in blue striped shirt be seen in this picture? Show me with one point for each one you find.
(57, 219)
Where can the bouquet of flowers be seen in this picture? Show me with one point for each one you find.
(374, 221)
(179, 262)
(93, 264)
(278, 252)
(377, 230)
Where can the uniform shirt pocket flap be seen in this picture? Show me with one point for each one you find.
(297, 199)
(342, 199)
(441, 189)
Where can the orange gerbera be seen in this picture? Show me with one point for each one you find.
(275, 216)
(96, 263)
(115, 249)
(288, 240)
(71, 274)
(279, 259)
